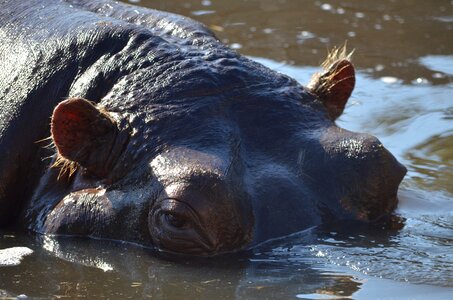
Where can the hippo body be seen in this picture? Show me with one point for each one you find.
(163, 136)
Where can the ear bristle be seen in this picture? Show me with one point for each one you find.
(336, 54)
(66, 166)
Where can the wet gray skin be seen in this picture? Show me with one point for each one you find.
(186, 146)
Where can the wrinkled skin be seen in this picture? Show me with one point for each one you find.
(184, 145)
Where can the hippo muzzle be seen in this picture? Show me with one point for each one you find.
(364, 175)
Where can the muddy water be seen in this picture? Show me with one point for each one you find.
(404, 95)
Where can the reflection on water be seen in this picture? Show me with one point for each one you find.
(433, 161)
(404, 57)
(13, 256)
(418, 253)
(316, 264)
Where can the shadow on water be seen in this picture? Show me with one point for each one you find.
(404, 58)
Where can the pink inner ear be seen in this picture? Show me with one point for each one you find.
(71, 125)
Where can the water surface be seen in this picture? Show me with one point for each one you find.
(404, 95)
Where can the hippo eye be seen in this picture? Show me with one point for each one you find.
(175, 221)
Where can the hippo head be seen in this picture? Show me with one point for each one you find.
(215, 156)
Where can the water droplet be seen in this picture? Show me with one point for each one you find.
(235, 46)
(389, 79)
(379, 68)
(202, 12)
(360, 15)
(326, 6)
(438, 75)
(420, 80)
(304, 35)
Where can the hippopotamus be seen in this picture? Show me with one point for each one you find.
(125, 123)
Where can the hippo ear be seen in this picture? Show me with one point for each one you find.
(83, 134)
(334, 85)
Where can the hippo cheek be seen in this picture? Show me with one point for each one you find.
(82, 213)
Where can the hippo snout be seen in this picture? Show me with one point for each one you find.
(366, 174)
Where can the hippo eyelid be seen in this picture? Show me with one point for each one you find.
(189, 214)
(176, 220)
(192, 212)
